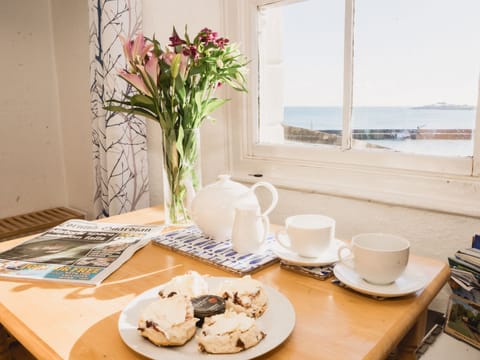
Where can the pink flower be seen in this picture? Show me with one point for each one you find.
(168, 57)
(208, 36)
(183, 66)
(135, 50)
(175, 40)
(152, 69)
(140, 48)
(135, 80)
(191, 51)
(221, 42)
(127, 47)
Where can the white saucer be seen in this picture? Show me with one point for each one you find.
(409, 282)
(328, 257)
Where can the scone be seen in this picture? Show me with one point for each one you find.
(228, 333)
(244, 295)
(192, 284)
(168, 321)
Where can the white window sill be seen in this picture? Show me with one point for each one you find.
(445, 193)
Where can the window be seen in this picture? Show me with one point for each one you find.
(368, 99)
(301, 67)
(415, 75)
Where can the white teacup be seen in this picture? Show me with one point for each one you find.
(307, 235)
(378, 258)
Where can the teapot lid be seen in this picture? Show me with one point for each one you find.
(224, 178)
(225, 181)
(223, 191)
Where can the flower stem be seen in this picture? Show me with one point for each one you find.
(181, 179)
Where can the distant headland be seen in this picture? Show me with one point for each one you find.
(444, 106)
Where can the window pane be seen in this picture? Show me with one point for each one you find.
(301, 72)
(416, 68)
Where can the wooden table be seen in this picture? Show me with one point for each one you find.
(57, 321)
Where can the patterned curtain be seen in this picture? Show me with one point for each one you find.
(119, 140)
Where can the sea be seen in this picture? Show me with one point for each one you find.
(330, 118)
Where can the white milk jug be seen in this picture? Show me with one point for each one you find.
(250, 229)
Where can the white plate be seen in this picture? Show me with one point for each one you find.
(409, 282)
(328, 257)
(277, 322)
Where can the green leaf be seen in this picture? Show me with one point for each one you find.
(157, 48)
(116, 102)
(180, 89)
(141, 100)
(136, 111)
(212, 105)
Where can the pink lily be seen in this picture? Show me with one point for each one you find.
(135, 50)
(135, 80)
(140, 49)
(152, 69)
(168, 57)
(183, 66)
(127, 48)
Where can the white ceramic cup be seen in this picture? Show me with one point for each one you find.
(307, 235)
(378, 258)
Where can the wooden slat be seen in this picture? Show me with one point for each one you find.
(34, 222)
(4, 226)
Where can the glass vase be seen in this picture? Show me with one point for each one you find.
(181, 173)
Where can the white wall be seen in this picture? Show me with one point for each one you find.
(45, 151)
(31, 158)
(70, 34)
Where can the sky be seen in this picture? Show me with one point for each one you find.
(407, 53)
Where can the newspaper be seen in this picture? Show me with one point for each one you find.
(76, 251)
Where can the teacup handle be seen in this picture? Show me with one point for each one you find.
(343, 259)
(282, 233)
(272, 190)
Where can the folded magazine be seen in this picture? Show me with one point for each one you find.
(76, 251)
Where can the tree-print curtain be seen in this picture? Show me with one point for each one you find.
(119, 140)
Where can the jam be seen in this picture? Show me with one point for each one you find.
(207, 305)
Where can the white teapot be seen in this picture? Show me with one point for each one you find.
(213, 207)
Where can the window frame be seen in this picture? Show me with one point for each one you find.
(447, 184)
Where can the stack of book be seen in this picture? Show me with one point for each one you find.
(463, 313)
(465, 274)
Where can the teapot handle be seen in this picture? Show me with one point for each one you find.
(272, 190)
(266, 228)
